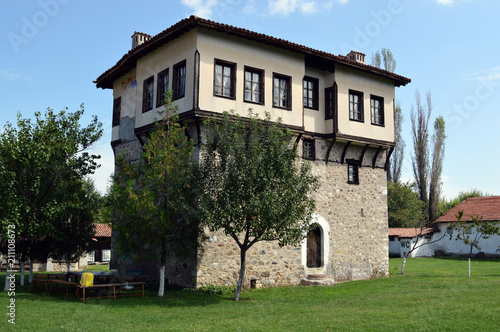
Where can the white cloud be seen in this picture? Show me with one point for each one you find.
(286, 7)
(445, 2)
(343, 2)
(202, 8)
(309, 8)
(12, 75)
(282, 7)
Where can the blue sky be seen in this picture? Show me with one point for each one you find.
(52, 50)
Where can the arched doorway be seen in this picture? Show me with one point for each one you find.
(314, 258)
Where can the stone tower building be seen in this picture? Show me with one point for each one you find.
(340, 110)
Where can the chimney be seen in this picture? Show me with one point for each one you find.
(356, 56)
(139, 38)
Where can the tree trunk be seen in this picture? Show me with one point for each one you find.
(10, 277)
(23, 268)
(469, 267)
(404, 263)
(161, 289)
(31, 271)
(243, 255)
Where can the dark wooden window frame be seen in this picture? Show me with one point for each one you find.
(232, 78)
(179, 80)
(288, 90)
(161, 87)
(381, 114)
(309, 152)
(117, 107)
(314, 90)
(360, 105)
(352, 171)
(148, 92)
(329, 103)
(260, 73)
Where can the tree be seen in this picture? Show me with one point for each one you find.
(470, 233)
(420, 134)
(74, 229)
(438, 139)
(386, 58)
(404, 206)
(396, 163)
(36, 160)
(253, 186)
(153, 199)
(406, 210)
(445, 205)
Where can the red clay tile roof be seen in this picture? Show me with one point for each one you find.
(488, 207)
(410, 232)
(128, 61)
(102, 230)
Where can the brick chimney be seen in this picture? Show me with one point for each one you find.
(139, 38)
(356, 56)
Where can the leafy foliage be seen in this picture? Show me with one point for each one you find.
(253, 186)
(41, 162)
(445, 205)
(405, 207)
(153, 198)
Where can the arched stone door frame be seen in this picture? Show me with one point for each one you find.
(324, 226)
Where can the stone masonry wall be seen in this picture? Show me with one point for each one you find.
(357, 239)
(357, 217)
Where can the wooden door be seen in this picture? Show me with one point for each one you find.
(314, 248)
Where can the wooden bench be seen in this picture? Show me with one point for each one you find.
(40, 279)
(112, 290)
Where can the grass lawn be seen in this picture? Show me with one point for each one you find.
(433, 295)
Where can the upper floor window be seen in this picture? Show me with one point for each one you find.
(117, 107)
(311, 92)
(147, 94)
(329, 103)
(377, 110)
(179, 81)
(356, 105)
(254, 85)
(224, 85)
(162, 86)
(352, 172)
(281, 91)
(308, 150)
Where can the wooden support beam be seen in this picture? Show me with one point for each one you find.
(344, 152)
(376, 156)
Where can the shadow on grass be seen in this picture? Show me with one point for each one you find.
(171, 298)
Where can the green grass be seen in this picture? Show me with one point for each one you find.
(433, 295)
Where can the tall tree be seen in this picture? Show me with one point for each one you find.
(253, 186)
(420, 134)
(35, 161)
(396, 163)
(438, 145)
(153, 198)
(384, 57)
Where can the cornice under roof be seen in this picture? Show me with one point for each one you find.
(128, 61)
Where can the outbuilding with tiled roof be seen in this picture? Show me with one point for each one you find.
(486, 207)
